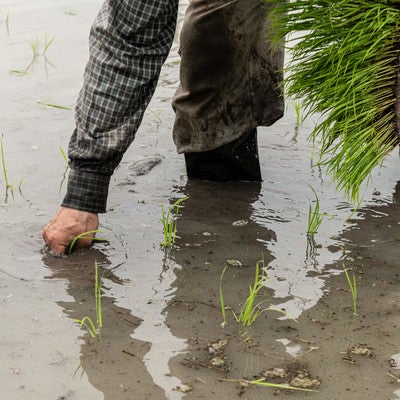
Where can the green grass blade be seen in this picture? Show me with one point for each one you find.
(3, 163)
(88, 324)
(221, 298)
(261, 382)
(97, 295)
(85, 235)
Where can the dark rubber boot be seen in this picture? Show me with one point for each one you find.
(235, 161)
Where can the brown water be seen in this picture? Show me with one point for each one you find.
(161, 310)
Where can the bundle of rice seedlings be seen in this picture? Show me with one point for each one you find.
(345, 66)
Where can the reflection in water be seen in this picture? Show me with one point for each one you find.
(113, 362)
(209, 235)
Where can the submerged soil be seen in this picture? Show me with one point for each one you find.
(162, 336)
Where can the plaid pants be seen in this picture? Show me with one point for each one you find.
(229, 83)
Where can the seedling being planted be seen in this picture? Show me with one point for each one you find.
(168, 220)
(94, 328)
(85, 235)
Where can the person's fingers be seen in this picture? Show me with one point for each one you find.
(57, 243)
(84, 242)
(66, 225)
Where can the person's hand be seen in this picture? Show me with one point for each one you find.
(66, 225)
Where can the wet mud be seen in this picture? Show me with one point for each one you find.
(162, 336)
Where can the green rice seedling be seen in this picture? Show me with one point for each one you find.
(344, 65)
(47, 43)
(251, 310)
(64, 155)
(85, 235)
(87, 322)
(60, 107)
(97, 295)
(262, 382)
(18, 72)
(168, 220)
(35, 45)
(297, 109)
(9, 187)
(3, 163)
(352, 282)
(66, 168)
(221, 298)
(315, 218)
(7, 23)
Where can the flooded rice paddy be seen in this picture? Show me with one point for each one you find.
(162, 336)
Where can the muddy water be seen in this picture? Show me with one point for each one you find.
(161, 310)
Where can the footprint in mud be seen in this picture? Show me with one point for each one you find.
(295, 375)
(140, 167)
(216, 351)
(361, 349)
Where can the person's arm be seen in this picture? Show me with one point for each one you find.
(129, 42)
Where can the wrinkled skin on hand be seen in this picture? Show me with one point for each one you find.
(66, 224)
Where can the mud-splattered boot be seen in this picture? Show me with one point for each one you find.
(235, 161)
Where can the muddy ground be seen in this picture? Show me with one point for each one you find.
(162, 336)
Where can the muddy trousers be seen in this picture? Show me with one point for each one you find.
(230, 80)
(230, 83)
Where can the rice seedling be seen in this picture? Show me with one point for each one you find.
(352, 282)
(251, 310)
(46, 44)
(3, 163)
(39, 47)
(64, 176)
(64, 155)
(297, 109)
(85, 235)
(9, 187)
(315, 218)
(87, 322)
(35, 47)
(344, 64)
(58, 106)
(221, 298)
(7, 23)
(18, 72)
(262, 382)
(169, 219)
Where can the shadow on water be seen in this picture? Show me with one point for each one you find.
(113, 361)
